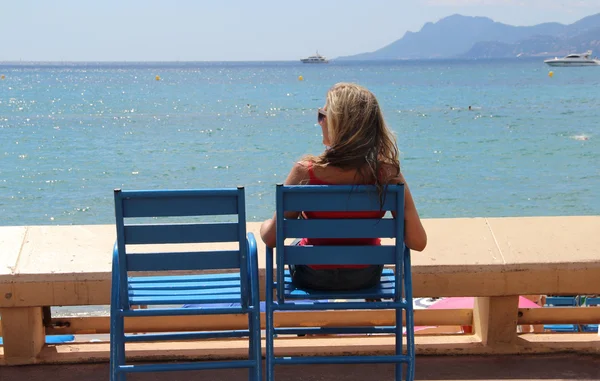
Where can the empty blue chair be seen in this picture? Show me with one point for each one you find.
(562, 301)
(591, 302)
(394, 291)
(143, 219)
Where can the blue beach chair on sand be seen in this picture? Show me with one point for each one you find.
(341, 198)
(591, 301)
(562, 301)
(235, 291)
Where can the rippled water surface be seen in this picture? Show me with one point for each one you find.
(72, 133)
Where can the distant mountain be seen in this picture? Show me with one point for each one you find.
(542, 45)
(478, 37)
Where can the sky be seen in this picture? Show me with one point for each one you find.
(240, 30)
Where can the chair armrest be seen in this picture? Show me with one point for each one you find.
(252, 252)
(114, 288)
(115, 259)
(253, 290)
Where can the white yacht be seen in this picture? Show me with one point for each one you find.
(583, 59)
(317, 58)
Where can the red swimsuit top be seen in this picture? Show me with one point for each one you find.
(313, 180)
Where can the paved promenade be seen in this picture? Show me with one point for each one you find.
(447, 368)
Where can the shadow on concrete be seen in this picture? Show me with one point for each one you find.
(554, 367)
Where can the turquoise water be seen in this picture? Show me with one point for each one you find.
(72, 133)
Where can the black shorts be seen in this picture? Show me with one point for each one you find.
(343, 279)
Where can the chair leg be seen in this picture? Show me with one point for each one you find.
(254, 352)
(117, 343)
(113, 347)
(257, 345)
(251, 354)
(410, 347)
(399, 337)
(270, 353)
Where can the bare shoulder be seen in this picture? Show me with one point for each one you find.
(301, 167)
(299, 174)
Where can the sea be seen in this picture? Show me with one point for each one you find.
(73, 132)
(529, 145)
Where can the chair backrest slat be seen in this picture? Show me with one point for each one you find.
(181, 233)
(593, 301)
(562, 301)
(153, 204)
(327, 198)
(340, 228)
(340, 255)
(226, 259)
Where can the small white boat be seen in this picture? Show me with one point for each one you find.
(583, 59)
(317, 58)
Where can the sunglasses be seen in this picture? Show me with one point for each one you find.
(321, 114)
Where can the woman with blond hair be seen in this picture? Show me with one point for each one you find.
(360, 150)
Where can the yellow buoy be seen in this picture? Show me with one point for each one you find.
(157, 78)
(551, 74)
(300, 78)
(2, 76)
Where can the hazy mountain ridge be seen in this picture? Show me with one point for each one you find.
(543, 45)
(460, 36)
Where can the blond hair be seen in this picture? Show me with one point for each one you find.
(359, 137)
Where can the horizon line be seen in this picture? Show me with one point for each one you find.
(272, 61)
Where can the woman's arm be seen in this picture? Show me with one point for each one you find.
(298, 175)
(415, 236)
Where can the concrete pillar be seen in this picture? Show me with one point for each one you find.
(495, 320)
(23, 334)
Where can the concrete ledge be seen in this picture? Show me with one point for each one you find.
(493, 260)
(101, 324)
(423, 318)
(12, 239)
(71, 265)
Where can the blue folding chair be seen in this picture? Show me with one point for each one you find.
(290, 298)
(234, 292)
(591, 302)
(562, 301)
